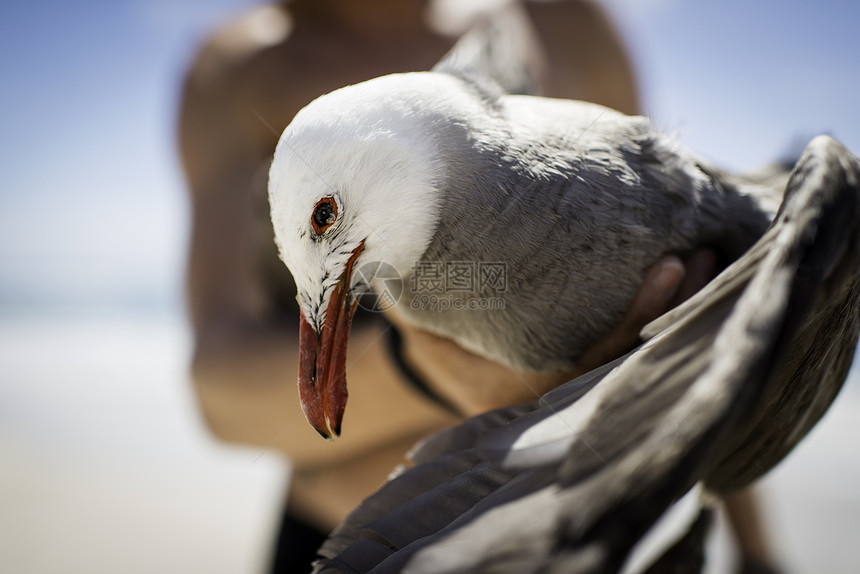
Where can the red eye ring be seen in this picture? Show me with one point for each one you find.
(324, 215)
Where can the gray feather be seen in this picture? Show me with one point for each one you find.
(725, 386)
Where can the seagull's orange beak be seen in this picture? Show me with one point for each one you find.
(322, 359)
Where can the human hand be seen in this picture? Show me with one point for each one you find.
(666, 284)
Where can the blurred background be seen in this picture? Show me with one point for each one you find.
(105, 464)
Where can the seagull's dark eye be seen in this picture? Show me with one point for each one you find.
(325, 214)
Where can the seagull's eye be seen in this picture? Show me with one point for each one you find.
(325, 214)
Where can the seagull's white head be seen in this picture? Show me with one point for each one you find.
(355, 178)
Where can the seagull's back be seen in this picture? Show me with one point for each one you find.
(556, 192)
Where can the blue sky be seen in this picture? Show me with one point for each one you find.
(91, 201)
(92, 208)
(742, 81)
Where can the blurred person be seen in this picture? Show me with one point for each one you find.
(243, 88)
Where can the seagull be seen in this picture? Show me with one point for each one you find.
(571, 201)
(585, 479)
(574, 201)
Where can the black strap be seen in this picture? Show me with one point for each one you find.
(395, 349)
(296, 546)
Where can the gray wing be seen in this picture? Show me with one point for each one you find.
(723, 388)
(499, 51)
